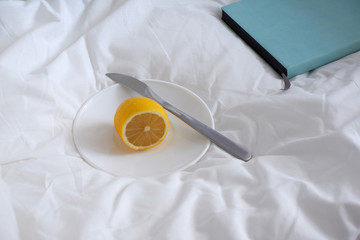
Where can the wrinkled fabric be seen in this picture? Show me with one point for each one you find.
(302, 183)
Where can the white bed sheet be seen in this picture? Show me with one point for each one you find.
(303, 182)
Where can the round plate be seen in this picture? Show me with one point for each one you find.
(99, 144)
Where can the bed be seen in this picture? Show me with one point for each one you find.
(301, 183)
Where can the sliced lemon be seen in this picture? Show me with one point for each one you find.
(141, 123)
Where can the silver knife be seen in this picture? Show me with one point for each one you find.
(214, 136)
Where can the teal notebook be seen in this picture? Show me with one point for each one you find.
(296, 36)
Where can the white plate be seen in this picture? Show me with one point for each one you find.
(99, 144)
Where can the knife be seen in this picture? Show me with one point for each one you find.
(218, 139)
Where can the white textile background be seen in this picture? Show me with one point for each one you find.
(303, 182)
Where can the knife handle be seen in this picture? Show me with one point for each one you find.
(214, 136)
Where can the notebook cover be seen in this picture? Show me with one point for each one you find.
(296, 36)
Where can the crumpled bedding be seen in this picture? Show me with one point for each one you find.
(302, 183)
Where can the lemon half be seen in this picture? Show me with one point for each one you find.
(141, 123)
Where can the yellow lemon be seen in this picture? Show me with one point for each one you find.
(141, 123)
